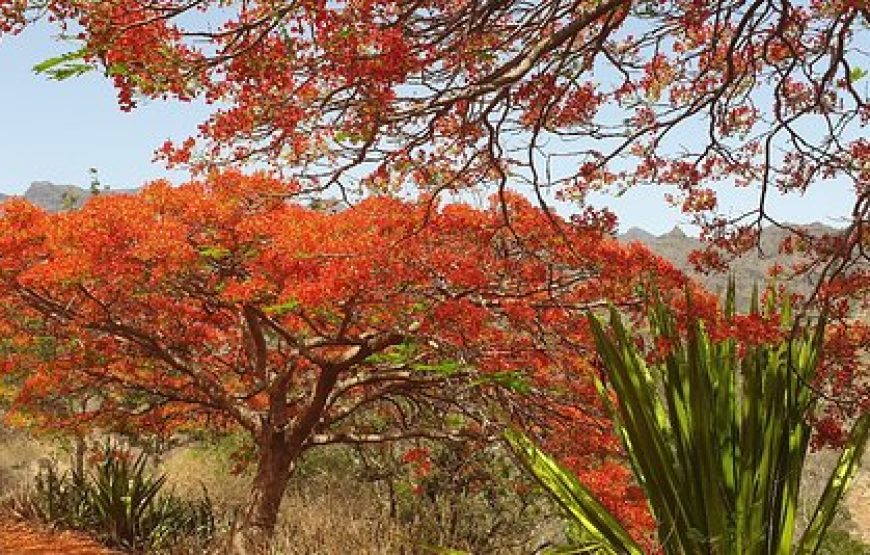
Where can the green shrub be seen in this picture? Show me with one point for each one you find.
(717, 436)
(117, 501)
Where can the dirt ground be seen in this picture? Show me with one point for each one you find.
(18, 538)
(858, 503)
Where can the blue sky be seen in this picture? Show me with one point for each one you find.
(56, 131)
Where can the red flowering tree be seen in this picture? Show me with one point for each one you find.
(572, 96)
(575, 95)
(219, 303)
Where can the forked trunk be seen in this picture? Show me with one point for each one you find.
(254, 531)
(278, 451)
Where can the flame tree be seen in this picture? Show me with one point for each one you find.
(221, 303)
(572, 95)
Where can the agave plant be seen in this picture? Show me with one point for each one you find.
(59, 498)
(122, 494)
(716, 436)
(120, 502)
(131, 511)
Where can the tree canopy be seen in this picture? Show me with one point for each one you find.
(570, 96)
(224, 300)
(220, 303)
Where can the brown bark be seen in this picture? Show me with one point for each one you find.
(280, 443)
(79, 452)
(254, 532)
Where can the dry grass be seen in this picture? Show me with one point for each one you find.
(324, 514)
(20, 457)
(190, 469)
(326, 511)
(338, 520)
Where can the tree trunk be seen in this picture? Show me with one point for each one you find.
(278, 451)
(79, 451)
(254, 531)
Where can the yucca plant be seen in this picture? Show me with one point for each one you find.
(119, 502)
(716, 434)
(122, 494)
(130, 510)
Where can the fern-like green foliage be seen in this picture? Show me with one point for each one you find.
(716, 435)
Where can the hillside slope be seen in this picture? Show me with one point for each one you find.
(748, 270)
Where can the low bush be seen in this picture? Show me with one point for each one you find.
(119, 502)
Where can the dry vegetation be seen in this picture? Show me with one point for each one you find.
(331, 506)
(331, 509)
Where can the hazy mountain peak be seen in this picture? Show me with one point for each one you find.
(676, 233)
(638, 234)
(54, 197)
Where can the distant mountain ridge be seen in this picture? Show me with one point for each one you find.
(748, 270)
(55, 197)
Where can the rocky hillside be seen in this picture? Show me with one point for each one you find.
(748, 270)
(54, 197)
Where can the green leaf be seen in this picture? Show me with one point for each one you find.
(856, 74)
(71, 64)
(282, 308)
(444, 368)
(118, 69)
(344, 136)
(576, 500)
(838, 483)
(397, 355)
(214, 252)
(513, 381)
